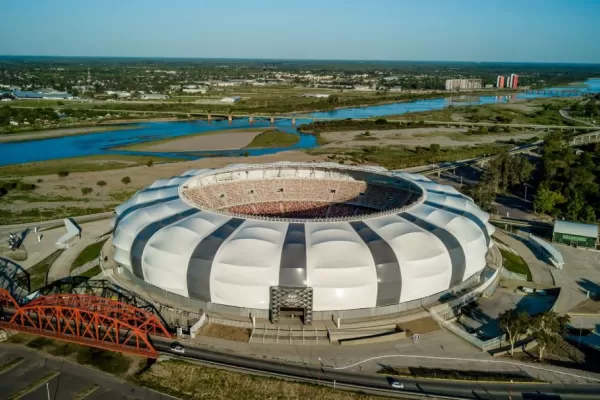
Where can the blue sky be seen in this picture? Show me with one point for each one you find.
(454, 30)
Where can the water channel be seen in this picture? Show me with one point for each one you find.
(106, 142)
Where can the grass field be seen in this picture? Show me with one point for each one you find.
(515, 263)
(88, 254)
(37, 273)
(189, 381)
(273, 138)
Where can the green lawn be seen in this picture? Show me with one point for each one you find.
(273, 138)
(88, 254)
(37, 273)
(514, 263)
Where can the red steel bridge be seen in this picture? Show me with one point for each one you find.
(85, 319)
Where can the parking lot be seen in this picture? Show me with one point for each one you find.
(30, 375)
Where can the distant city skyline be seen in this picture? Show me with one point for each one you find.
(549, 31)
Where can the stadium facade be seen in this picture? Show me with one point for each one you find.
(305, 239)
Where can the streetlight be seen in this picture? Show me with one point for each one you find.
(48, 390)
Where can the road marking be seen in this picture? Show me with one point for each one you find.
(469, 360)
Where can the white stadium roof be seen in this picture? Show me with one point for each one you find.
(378, 260)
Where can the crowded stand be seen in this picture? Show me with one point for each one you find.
(299, 197)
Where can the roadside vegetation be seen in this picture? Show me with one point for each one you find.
(273, 138)
(457, 375)
(36, 214)
(189, 381)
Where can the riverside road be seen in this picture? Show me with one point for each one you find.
(379, 384)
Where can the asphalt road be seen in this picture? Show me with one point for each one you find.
(379, 384)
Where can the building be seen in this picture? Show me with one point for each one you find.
(500, 82)
(153, 96)
(316, 95)
(314, 239)
(509, 82)
(201, 90)
(396, 89)
(514, 81)
(575, 234)
(233, 99)
(463, 84)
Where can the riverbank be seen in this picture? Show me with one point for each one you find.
(201, 141)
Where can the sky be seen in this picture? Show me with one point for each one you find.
(430, 30)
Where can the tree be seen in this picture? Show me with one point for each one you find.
(101, 183)
(62, 174)
(86, 190)
(435, 148)
(126, 180)
(514, 324)
(545, 199)
(150, 163)
(548, 328)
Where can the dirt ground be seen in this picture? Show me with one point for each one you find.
(420, 326)
(222, 141)
(55, 192)
(225, 332)
(446, 137)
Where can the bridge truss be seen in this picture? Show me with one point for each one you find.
(84, 319)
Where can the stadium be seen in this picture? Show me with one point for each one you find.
(305, 240)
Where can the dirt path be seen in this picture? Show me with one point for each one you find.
(208, 141)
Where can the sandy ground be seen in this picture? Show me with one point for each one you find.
(418, 137)
(220, 141)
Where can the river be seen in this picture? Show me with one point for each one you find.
(105, 142)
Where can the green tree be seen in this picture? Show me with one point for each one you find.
(545, 199)
(62, 174)
(126, 180)
(514, 324)
(435, 148)
(548, 328)
(101, 183)
(86, 190)
(150, 163)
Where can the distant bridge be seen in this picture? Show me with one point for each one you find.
(555, 92)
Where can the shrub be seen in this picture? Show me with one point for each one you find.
(40, 180)
(25, 186)
(126, 180)
(86, 190)
(150, 163)
(62, 174)
(101, 183)
(434, 147)
(381, 121)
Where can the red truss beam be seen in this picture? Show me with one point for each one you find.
(106, 324)
(137, 317)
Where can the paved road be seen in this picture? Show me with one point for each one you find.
(380, 384)
(565, 114)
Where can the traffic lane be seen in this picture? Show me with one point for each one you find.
(463, 389)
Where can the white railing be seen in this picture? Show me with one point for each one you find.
(513, 275)
(85, 267)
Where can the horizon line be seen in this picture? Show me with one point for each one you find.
(299, 59)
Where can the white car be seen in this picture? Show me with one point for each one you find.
(177, 348)
(397, 385)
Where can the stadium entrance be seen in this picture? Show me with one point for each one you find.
(291, 304)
